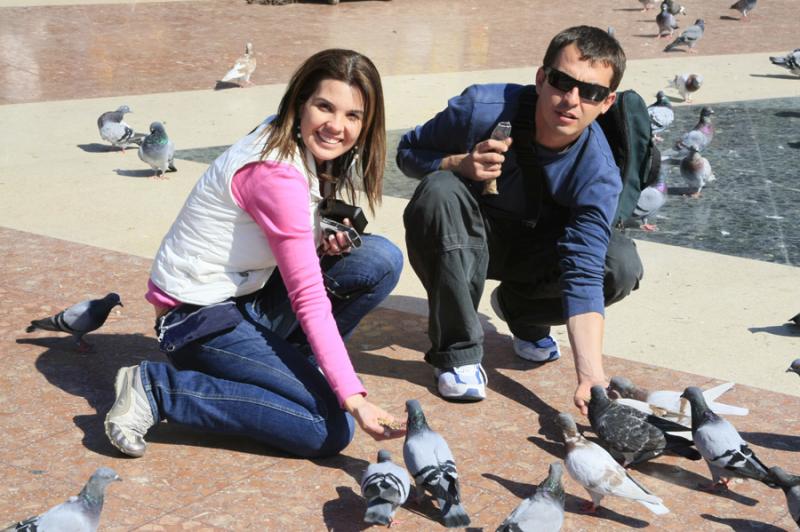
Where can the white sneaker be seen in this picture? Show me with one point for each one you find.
(462, 383)
(130, 416)
(543, 350)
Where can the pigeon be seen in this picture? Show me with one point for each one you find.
(674, 8)
(696, 170)
(79, 319)
(243, 68)
(647, 4)
(724, 450)
(543, 511)
(790, 484)
(689, 37)
(700, 136)
(158, 151)
(661, 115)
(114, 130)
(430, 462)
(593, 468)
(794, 367)
(790, 61)
(744, 7)
(634, 435)
(80, 513)
(686, 84)
(651, 199)
(669, 404)
(666, 22)
(385, 486)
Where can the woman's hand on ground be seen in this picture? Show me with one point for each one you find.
(373, 419)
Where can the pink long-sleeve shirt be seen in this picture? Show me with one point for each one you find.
(276, 196)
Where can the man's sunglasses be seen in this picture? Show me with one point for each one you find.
(565, 83)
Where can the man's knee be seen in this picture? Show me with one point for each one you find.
(435, 195)
(623, 268)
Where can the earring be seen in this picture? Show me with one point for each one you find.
(297, 131)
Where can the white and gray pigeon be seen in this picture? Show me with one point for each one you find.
(790, 61)
(385, 486)
(661, 115)
(80, 513)
(79, 319)
(243, 68)
(593, 468)
(668, 403)
(696, 170)
(674, 7)
(700, 136)
(686, 84)
(744, 7)
(633, 435)
(115, 131)
(794, 367)
(726, 453)
(689, 37)
(666, 22)
(430, 462)
(158, 151)
(651, 199)
(543, 511)
(790, 484)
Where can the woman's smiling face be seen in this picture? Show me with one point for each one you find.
(331, 119)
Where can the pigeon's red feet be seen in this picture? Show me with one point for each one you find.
(650, 228)
(589, 507)
(85, 347)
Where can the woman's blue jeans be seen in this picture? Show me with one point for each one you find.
(258, 379)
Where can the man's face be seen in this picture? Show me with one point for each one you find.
(562, 116)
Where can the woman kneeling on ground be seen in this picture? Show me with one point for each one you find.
(250, 316)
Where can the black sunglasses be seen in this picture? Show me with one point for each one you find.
(565, 83)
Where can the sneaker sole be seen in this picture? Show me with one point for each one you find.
(119, 382)
(551, 358)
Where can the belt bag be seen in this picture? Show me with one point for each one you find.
(187, 323)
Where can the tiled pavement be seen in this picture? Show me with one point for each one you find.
(60, 61)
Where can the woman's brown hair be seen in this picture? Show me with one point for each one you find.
(357, 71)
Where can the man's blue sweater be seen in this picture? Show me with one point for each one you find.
(584, 180)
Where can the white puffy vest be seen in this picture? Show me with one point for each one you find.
(214, 249)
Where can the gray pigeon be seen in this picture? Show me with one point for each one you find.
(593, 468)
(790, 61)
(700, 136)
(689, 38)
(744, 7)
(634, 435)
(158, 151)
(686, 84)
(79, 513)
(666, 22)
(674, 8)
(696, 170)
(651, 199)
(385, 486)
(114, 130)
(790, 484)
(430, 462)
(79, 319)
(794, 367)
(724, 450)
(669, 404)
(661, 115)
(543, 511)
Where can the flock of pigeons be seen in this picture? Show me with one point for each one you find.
(156, 149)
(687, 151)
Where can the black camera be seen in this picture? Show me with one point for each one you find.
(337, 210)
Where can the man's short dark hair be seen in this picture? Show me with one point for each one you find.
(595, 45)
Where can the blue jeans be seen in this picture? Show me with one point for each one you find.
(257, 379)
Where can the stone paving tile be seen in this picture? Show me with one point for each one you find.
(67, 52)
(53, 401)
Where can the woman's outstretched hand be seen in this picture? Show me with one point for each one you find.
(373, 419)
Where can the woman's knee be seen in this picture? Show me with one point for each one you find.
(386, 257)
(334, 434)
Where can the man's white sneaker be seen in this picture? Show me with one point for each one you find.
(462, 383)
(543, 350)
